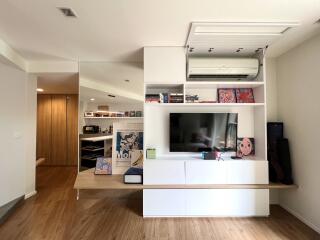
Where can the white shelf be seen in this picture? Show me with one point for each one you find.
(113, 117)
(96, 139)
(206, 104)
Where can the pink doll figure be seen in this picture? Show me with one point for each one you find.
(246, 147)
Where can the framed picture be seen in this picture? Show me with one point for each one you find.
(245, 147)
(227, 95)
(244, 95)
(127, 144)
(103, 166)
(137, 158)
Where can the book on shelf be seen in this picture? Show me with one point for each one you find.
(152, 98)
(164, 98)
(176, 98)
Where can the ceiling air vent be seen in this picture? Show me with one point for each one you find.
(68, 12)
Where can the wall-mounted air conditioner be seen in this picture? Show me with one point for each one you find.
(204, 68)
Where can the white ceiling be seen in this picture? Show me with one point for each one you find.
(114, 74)
(58, 83)
(101, 97)
(117, 30)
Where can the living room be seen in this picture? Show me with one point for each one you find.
(193, 120)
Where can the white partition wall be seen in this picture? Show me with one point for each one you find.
(178, 179)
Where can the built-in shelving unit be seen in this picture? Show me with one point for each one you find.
(92, 148)
(179, 184)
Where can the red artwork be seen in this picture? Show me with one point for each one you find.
(244, 95)
(226, 95)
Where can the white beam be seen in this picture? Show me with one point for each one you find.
(104, 87)
(53, 67)
(12, 56)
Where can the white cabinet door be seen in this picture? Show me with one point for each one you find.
(247, 172)
(165, 172)
(206, 172)
(164, 65)
(163, 202)
(227, 202)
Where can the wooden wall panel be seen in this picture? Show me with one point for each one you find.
(72, 129)
(44, 127)
(59, 130)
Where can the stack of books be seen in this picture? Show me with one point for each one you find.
(164, 98)
(152, 98)
(176, 98)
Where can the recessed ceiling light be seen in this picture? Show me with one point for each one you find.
(40, 90)
(113, 96)
(127, 80)
(92, 99)
(68, 12)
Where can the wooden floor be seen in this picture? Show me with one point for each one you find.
(54, 213)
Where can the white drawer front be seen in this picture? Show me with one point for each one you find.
(164, 202)
(227, 202)
(247, 172)
(157, 172)
(206, 172)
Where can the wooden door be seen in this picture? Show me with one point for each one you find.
(59, 130)
(44, 127)
(72, 129)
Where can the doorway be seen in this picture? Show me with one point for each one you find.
(57, 122)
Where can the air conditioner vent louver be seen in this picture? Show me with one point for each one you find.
(222, 68)
(219, 76)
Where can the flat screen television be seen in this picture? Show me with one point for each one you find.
(194, 132)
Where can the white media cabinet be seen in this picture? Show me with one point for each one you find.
(186, 177)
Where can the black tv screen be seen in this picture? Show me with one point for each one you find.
(195, 132)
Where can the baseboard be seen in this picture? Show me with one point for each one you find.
(30, 194)
(302, 219)
(9, 208)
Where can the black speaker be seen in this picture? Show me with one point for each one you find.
(278, 154)
(274, 132)
(284, 160)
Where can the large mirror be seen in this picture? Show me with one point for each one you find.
(111, 115)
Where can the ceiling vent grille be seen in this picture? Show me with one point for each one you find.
(68, 12)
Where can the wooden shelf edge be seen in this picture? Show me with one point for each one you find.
(87, 180)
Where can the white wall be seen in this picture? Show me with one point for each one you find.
(18, 107)
(298, 77)
(13, 137)
(272, 107)
(271, 85)
(31, 133)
